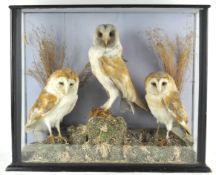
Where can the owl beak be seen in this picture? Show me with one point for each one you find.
(159, 89)
(66, 90)
(106, 40)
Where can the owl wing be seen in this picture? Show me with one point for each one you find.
(116, 70)
(177, 110)
(45, 103)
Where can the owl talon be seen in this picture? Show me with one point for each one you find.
(50, 140)
(100, 112)
(162, 142)
(56, 139)
(61, 139)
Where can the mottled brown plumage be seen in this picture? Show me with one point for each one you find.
(117, 70)
(43, 104)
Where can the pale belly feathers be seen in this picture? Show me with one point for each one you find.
(94, 55)
(158, 110)
(64, 107)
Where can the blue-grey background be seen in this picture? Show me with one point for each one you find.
(76, 31)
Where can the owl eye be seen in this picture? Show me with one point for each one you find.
(111, 34)
(100, 34)
(61, 83)
(153, 84)
(71, 84)
(164, 83)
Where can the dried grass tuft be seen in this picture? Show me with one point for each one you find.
(51, 56)
(174, 55)
(185, 46)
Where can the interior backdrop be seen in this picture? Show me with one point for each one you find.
(76, 31)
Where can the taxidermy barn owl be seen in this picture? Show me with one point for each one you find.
(164, 101)
(56, 100)
(110, 69)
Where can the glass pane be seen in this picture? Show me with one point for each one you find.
(54, 36)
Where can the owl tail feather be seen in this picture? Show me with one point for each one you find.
(126, 106)
(141, 104)
(185, 127)
(29, 125)
(182, 133)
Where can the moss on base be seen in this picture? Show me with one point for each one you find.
(111, 130)
(60, 153)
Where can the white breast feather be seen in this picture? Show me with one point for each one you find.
(160, 113)
(64, 107)
(95, 53)
(55, 116)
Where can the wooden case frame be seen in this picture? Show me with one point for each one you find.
(16, 94)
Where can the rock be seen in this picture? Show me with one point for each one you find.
(134, 137)
(110, 130)
(113, 130)
(77, 135)
(98, 130)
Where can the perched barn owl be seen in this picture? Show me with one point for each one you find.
(56, 100)
(164, 101)
(110, 69)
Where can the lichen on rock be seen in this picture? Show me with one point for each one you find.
(77, 135)
(110, 130)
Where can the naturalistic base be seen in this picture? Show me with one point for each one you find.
(108, 140)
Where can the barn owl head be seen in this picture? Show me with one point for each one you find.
(106, 35)
(159, 83)
(62, 82)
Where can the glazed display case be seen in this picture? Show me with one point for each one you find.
(77, 124)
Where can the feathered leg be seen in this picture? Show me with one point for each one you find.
(50, 139)
(168, 127)
(103, 111)
(156, 135)
(161, 141)
(113, 94)
(60, 138)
